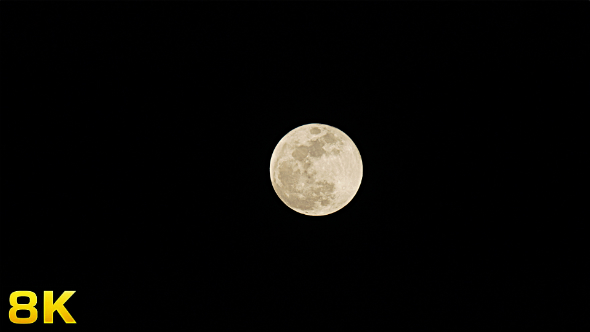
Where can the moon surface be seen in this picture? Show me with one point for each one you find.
(316, 169)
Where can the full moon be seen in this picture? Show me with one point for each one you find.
(316, 169)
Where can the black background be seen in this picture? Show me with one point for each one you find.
(136, 142)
